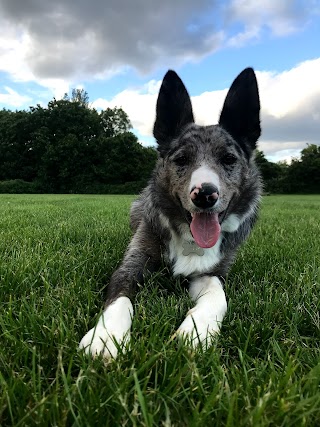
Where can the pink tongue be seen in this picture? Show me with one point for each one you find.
(205, 229)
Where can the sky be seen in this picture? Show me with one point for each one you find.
(119, 50)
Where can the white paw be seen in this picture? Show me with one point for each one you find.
(101, 341)
(199, 327)
(111, 332)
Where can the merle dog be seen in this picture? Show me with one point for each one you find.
(200, 205)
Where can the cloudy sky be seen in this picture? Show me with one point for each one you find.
(119, 50)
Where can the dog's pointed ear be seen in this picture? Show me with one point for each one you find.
(173, 112)
(240, 114)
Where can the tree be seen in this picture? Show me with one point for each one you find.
(303, 174)
(311, 153)
(15, 145)
(272, 173)
(68, 147)
(80, 96)
(115, 121)
(310, 159)
(65, 144)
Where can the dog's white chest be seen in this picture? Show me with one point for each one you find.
(187, 258)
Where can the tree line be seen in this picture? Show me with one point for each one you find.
(301, 176)
(69, 147)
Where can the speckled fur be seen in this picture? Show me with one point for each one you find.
(160, 216)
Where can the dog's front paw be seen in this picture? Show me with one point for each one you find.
(199, 328)
(100, 341)
(112, 331)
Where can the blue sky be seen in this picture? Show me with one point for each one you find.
(119, 50)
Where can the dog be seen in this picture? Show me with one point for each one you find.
(199, 207)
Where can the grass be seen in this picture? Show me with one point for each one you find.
(56, 255)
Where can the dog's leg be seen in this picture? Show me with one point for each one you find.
(113, 328)
(111, 331)
(203, 321)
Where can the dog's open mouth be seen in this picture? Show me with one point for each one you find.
(205, 229)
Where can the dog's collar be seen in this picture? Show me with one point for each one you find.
(191, 248)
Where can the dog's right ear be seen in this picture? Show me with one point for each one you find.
(173, 112)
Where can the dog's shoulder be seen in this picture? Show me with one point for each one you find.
(140, 208)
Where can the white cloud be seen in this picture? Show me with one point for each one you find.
(56, 45)
(291, 105)
(242, 38)
(57, 87)
(280, 17)
(14, 45)
(13, 98)
(54, 41)
(290, 108)
(97, 39)
(281, 151)
(139, 106)
(282, 93)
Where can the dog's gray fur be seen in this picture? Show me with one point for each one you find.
(161, 216)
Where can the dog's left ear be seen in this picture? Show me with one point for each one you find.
(173, 112)
(240, 112)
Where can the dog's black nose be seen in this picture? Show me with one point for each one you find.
(205, 196)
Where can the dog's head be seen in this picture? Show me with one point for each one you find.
(205, 166)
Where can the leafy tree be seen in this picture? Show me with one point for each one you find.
(15, 145)
(272, 173)
(8, 147)
(115, 121)
(68, 147)
(78, 95)
(303, 175)
(311, 154)
(81, 96)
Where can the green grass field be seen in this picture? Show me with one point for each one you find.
(56, 256)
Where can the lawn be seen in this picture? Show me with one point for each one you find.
(57, 253)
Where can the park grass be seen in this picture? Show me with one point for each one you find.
(56, 255)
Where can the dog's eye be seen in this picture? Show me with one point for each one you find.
(181, 160)
(229, 159)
